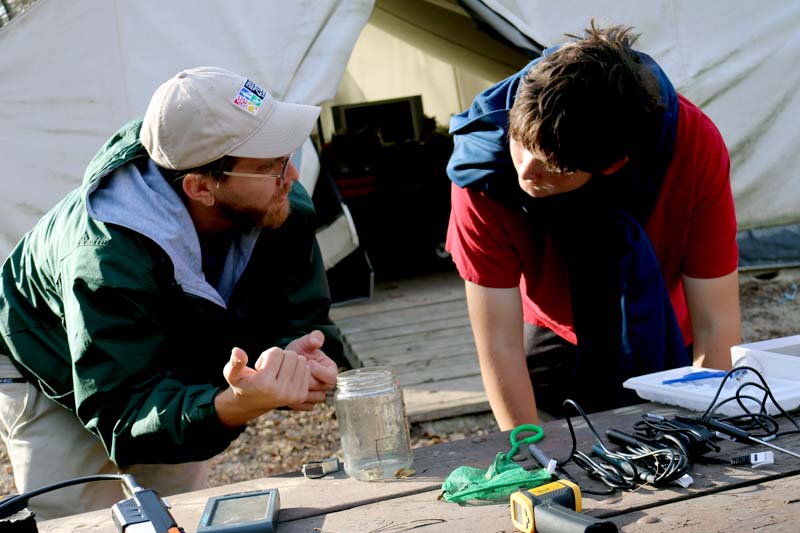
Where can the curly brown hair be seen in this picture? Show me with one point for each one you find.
(589, 104)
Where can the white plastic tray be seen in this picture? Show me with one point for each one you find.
(773, 357)
(697, 395)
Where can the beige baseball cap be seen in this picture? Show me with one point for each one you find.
(205, 113)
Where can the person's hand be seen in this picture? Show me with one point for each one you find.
(323, 369)
(279, 377)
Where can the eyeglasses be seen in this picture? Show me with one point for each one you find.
(279, 176)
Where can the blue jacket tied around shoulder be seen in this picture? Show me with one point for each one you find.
(623, 318)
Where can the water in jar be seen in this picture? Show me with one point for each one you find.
(374, 433)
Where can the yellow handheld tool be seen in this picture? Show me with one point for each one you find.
(554, 508)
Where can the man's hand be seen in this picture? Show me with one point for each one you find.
(323, 369)
(280, 377)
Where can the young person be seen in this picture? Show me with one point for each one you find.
(593, 222)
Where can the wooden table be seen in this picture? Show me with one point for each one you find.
(721, 498)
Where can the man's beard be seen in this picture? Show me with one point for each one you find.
(247, 218)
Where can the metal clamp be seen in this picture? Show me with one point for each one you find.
(318, 469)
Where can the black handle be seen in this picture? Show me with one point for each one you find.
(732, 431)
(555, 518)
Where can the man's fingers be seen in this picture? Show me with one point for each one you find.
(288, 371)
(317, 338)
(300, 377)
(308, 406)
(320, 357)
(308, 344)
(236, 366)
(324, 374)
(290, 366)
(315, 397)
(238, 357)
(312, 399)
(299, 369)
(271, 361)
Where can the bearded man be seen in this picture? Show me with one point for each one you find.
(130, 311)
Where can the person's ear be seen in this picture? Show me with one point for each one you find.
(615, 166)
(199, 188)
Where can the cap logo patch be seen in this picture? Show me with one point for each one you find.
(250, 97)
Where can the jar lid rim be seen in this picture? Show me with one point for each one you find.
(367, 380)
(368, 370)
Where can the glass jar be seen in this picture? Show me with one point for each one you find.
(372, 423)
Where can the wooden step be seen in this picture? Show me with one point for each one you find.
(420, 327)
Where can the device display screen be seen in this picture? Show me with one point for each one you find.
(518, 515)
(237, 510)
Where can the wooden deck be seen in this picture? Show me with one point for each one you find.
(419, 326)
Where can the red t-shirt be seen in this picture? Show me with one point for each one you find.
(692, 229)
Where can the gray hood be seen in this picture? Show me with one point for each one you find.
(145, 203)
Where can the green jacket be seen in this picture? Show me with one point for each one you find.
(92, 314)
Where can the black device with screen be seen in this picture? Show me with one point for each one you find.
(241, 512)
(396, 120)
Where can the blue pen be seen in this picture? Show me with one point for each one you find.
(695, 376)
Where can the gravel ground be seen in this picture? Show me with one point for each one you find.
(281, 441)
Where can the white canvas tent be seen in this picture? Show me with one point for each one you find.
(72, 72)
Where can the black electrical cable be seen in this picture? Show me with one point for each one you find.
(607, 474)
(754, 422)
(766, 424)
(665, 450)
(17, 502)
(586, 490)
(692, 439)
(637, 464)
(699, 433)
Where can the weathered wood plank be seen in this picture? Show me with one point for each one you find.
(438, 369)
(771, 506)
(422, 511)
(768, 506)
(445, 399)
(409, 292)
(420, 327)
(407, 315)
(412, 350)
(732, 484)
(691, 509)
(302, 498)
(399, 360)
(397, 332)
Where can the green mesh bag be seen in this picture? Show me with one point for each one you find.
(503, 476)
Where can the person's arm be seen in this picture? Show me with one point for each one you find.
(496, 319)
(709, 266)
(716, 322)
(128, 377)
